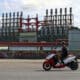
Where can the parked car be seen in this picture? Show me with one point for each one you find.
(3, 55)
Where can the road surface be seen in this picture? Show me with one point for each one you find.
(32, 70)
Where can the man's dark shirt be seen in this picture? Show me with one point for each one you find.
(64, 52)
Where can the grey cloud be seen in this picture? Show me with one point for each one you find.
(29, 7)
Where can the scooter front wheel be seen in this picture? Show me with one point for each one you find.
(46, 66)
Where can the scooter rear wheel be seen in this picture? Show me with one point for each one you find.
(74, 66)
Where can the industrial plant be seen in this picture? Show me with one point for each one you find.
(24, 36)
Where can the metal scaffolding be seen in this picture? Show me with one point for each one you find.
(54, 25)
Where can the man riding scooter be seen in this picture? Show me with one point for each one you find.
(56, 59)
(64, 54)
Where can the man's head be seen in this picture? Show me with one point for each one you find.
(63, 43)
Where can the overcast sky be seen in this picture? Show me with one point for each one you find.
(38, 6)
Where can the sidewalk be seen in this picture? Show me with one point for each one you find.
(25, 60)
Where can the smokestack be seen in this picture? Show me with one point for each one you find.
(51, 12)
(46, 12)
(65, 16)
(70, 15)
(60, 16)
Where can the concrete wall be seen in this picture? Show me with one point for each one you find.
(28, 36)
(74, 39)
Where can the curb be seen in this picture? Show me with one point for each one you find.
(25, 60)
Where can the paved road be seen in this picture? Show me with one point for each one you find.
(32, 70)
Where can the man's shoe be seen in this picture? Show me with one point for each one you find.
(58, 64)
